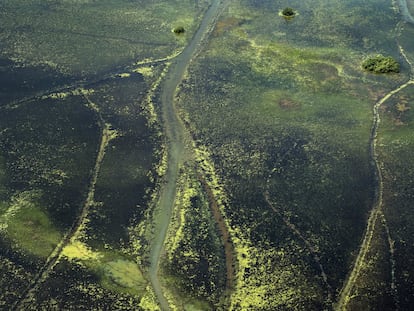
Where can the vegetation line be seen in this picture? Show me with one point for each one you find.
(106, 136)
(376, 211)
(308, 245)
(175, 134)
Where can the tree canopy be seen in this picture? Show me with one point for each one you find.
(381, 64)
(288, 12)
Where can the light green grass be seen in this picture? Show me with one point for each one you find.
(30, 227)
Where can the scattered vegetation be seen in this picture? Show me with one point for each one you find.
(395, 145)
(195, 256)
(287, 117)
(293, 127)
(71, 32)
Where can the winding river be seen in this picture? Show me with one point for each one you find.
(175, 133)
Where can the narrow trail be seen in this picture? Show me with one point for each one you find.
(391, 248)
(308, 245)
(106, 136)
(376, 211)
(176, 146)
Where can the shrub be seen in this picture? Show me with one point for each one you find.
(381, 64)
(179, 30)
(288, 12)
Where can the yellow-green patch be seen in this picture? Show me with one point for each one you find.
(80, 251)
(196, 306)
(31, 228)
(123, 276)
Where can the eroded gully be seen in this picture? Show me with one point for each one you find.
(176, 144)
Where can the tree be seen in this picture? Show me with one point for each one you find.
(381, 64)
(179, 30)
(288, 12)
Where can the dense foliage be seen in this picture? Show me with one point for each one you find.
(381, 64)
(288, 12)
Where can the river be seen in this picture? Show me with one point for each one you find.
(175, 134)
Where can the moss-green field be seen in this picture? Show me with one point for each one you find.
(294, 189)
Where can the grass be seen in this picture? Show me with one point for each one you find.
(115, 271)
(287, 117)
(31, 227)
(282, 107)
(66, 36)
(396, 141)
(194, 264)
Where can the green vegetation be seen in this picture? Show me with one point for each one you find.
(381, 64)
(195, 256)
(288, 119)
(71, 32)
(372, 289)
(280, 119)
(396, 141)
(49, 147)
(288, 12)
(179, 30)
(30, 227)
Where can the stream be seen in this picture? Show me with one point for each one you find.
(175, 133)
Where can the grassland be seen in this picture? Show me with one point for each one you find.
(84, 37)
(285, 110)
(396, 141)
(75, 72)
(272, 202)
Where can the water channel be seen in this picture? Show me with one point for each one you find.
(175, 134)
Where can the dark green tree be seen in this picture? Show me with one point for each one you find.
(288, 12)
(179, 30)
(381, 64)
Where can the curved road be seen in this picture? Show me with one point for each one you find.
(175, 134)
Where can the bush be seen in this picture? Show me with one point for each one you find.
(288, 12)
(179, 30)
(381, 64)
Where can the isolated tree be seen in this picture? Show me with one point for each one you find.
(288, 12)
(381, 64)
(179, 30)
